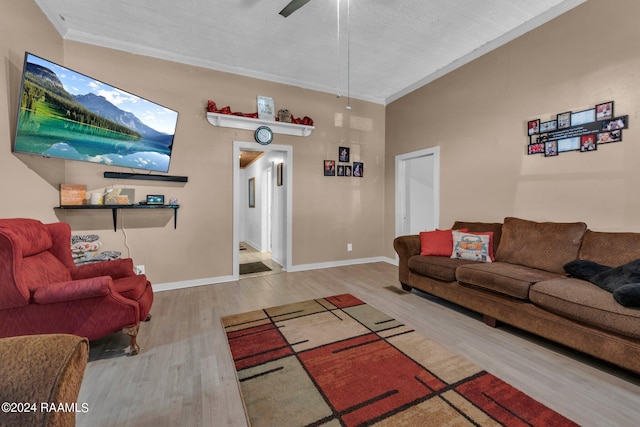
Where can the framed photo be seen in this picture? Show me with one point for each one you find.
(533, 126)
(611, 136)
(536, 148)
(614, 124)
(358, 169)
(551, 148)
(569, 144)
(343, 154)
(340, 170)
(604, 111)
(564, 120)
(266, 108)
(588, 143)
(548, 126)
(348, 171)
(279, 174)
(252, 192)
(538, 139)
(581, 117)
(329, 168)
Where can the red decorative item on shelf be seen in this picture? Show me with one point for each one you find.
(307, 121)
(213, 108)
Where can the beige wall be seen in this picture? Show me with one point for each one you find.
(478, 115)
(328, 212)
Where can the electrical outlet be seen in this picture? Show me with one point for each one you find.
(140, 269)
(349, 247)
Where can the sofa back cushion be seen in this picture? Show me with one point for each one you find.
(495, 227)
(612, 249)
(42, 269)
(542, 245)
(30, 234)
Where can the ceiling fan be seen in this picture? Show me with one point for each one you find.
(292, 7)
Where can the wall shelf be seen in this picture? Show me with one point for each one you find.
(247, 123)
(114, 210)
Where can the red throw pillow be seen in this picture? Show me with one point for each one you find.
(437, 242)
(486, 233)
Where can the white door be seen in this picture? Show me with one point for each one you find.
(417, 191)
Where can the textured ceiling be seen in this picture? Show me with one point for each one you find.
(391, 47)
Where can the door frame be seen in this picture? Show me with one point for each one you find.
(287, 151)
(401, 178)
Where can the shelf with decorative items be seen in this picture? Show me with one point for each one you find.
(240, 122)
(226, 118)
(115, 208)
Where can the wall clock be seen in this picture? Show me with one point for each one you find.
(264, 135)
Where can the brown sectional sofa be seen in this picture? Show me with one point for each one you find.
(527, 286)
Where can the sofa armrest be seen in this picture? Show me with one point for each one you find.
(73, 290)
(406, 247)
(117, 269)
(42, 369)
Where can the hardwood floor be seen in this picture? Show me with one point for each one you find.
(184, 374)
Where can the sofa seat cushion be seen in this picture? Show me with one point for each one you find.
(588, 303)
(131, 287)
(436, 267)
(507, 279)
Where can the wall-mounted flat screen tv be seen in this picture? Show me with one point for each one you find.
(68, 115)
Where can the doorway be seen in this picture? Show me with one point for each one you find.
(417, 191)
(272, 204)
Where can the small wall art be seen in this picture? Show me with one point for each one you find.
(252, 192)
(343, 154)
(342, 167)
(358, 169)
(329, 168)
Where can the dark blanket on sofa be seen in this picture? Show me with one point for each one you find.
(623, 281)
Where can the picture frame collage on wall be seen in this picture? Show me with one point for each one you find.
(580, 131)
(343, 167)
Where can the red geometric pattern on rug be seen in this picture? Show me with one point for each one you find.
(507, 404)
(257, 345)
(366, 369)
(365, 378)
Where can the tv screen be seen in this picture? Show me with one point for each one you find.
(68, 115)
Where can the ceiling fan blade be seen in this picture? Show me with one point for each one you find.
(292, 7)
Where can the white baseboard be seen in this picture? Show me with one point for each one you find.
(302, 267)
(330, 264)
(191, 283)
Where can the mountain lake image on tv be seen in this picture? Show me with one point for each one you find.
(68, 115)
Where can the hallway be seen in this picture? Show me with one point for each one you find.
(249, 254)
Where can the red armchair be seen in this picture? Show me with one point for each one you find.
(42, 291)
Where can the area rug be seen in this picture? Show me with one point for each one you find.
(253, 267)
(337, 361)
